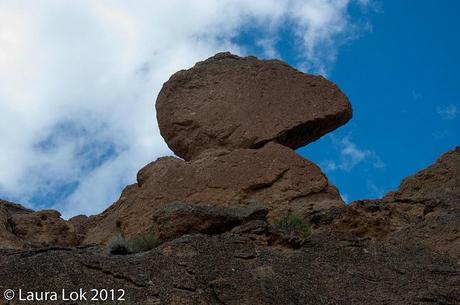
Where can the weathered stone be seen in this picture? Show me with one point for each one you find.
(231, 269)
(273, 176)
(426, 207)
(177, 219)
(216, 212)
(21, 228)
(233, 102)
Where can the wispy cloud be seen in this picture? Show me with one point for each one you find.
(377, 191)
(416, 95)
(350, 156)
(345, 198)
(448, 112)
(78, 81)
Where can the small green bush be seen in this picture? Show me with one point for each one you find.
(119, 246)
(140, 243)
(293, 224)
(144, 242)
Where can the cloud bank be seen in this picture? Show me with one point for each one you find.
(78, 82)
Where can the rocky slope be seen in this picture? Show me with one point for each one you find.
(244, 219)
(426, 208)
(389, 251)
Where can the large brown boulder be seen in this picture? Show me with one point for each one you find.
(233, 102)
(273, 176)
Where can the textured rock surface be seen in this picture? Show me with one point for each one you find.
(402, 249)
(216, 213)
(233, 102)
(331, 269)
(273, 176)
(426, 207)
(178, 219)
(21, 228)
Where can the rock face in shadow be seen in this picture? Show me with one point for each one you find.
(233, 269)
(273, 176)
(233, 102)
(179, 219)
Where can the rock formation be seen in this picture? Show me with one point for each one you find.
(222, 212)
(235, 121)
(231, 102)
(426, 207)
(273, 176)
(21, 228)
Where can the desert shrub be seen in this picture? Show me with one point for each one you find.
(119, 246)
(293, 225)
(144, 242)
(140, 243)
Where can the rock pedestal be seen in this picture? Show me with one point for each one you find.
(235, 121)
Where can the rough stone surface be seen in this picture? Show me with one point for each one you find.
(402, 249)
(233, 102)
(426, 207)
(332, 269)
(273, 176)
(216, 214)
(21, 228)
(178, 219)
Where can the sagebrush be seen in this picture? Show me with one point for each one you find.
(293, 225)
(140, 243)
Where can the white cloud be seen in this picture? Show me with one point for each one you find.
(345, 198)
(78, 81)
(448, 112)
(350, 155)
(377, 191)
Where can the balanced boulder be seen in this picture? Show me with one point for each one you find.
(233, 102)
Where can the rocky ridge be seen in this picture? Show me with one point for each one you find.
(236, 121)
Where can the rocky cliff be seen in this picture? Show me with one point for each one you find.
(241, 218)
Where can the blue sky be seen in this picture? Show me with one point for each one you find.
(402, 79)
(78, 82)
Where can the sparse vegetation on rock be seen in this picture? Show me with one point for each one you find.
(119, 246)
(144, 242)
(293, 225)
(140, 243)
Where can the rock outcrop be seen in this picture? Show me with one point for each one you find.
(244, 219)
(21, 228)
(265, 109)
(389, 255)
(231, 102)
(273, 176)
(425, 207)
(235, 121)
